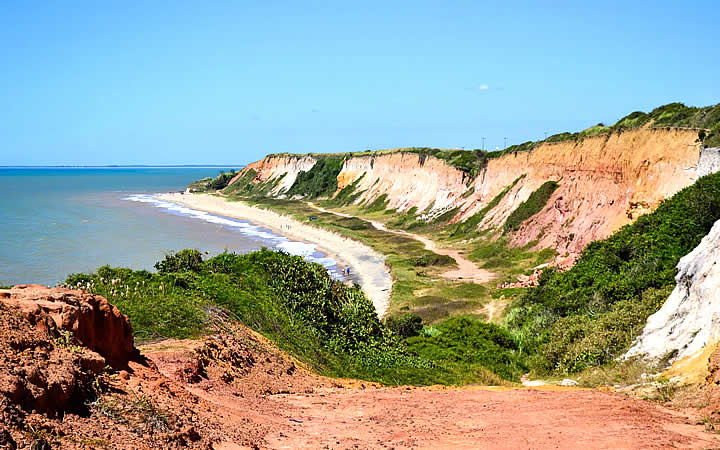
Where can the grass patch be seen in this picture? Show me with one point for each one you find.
(533, 205)
(469, 342)
(473, 221)
(320, 180)
(508, 262)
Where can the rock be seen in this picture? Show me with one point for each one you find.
(709, 162)
(94, 322)
(690, 318)
(6, 440)
(38, 374)
(568, 382)
(524, 281)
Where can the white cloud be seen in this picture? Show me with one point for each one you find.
(483, 87)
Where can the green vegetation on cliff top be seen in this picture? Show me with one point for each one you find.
(705, 119)
(212, 184)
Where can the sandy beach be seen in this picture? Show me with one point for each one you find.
(367, 264)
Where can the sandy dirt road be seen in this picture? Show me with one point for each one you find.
(304, 410)
(481, 418)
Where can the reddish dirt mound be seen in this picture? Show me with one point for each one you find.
(57, 393)
(93, 321)
(304, 410)
(238, 360)
(38, 373)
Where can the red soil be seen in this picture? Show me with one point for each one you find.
(307, 411)
(237, 390)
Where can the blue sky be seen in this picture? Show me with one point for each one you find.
(172, 82)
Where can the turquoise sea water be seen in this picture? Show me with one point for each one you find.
(56, 221)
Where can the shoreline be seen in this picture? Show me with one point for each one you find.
(368, 264)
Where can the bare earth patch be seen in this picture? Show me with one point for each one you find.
(303, 410)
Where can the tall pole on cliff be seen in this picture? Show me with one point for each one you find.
(483, 146)
(505, 146)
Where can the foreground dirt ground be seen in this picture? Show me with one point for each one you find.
(307, 411)
(71, 377)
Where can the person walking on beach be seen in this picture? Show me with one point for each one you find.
(347, 271)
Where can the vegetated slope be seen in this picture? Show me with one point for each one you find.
(590, 314)
(606, 177)
(213, 184)
(324, 323)
(689, 320)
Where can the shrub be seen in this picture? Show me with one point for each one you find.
(405, 326)
(433, 259)
(469, 341)
(188, 260)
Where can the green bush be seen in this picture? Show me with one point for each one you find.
(433, 259)
(533, 205)
(188, 260)
(405, 326)
(469, 341)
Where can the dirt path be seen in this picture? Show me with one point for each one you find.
(304, 410)
(481, 418)
(466, 270)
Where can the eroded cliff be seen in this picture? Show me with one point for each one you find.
(604, 182)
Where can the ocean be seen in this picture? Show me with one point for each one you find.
(57, 221)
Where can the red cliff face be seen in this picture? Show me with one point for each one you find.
(96, 323)
(605, 182)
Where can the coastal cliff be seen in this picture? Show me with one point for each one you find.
(603, 182)
(689, 320)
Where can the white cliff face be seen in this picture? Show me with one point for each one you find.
(709, 162)
(687, 321)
